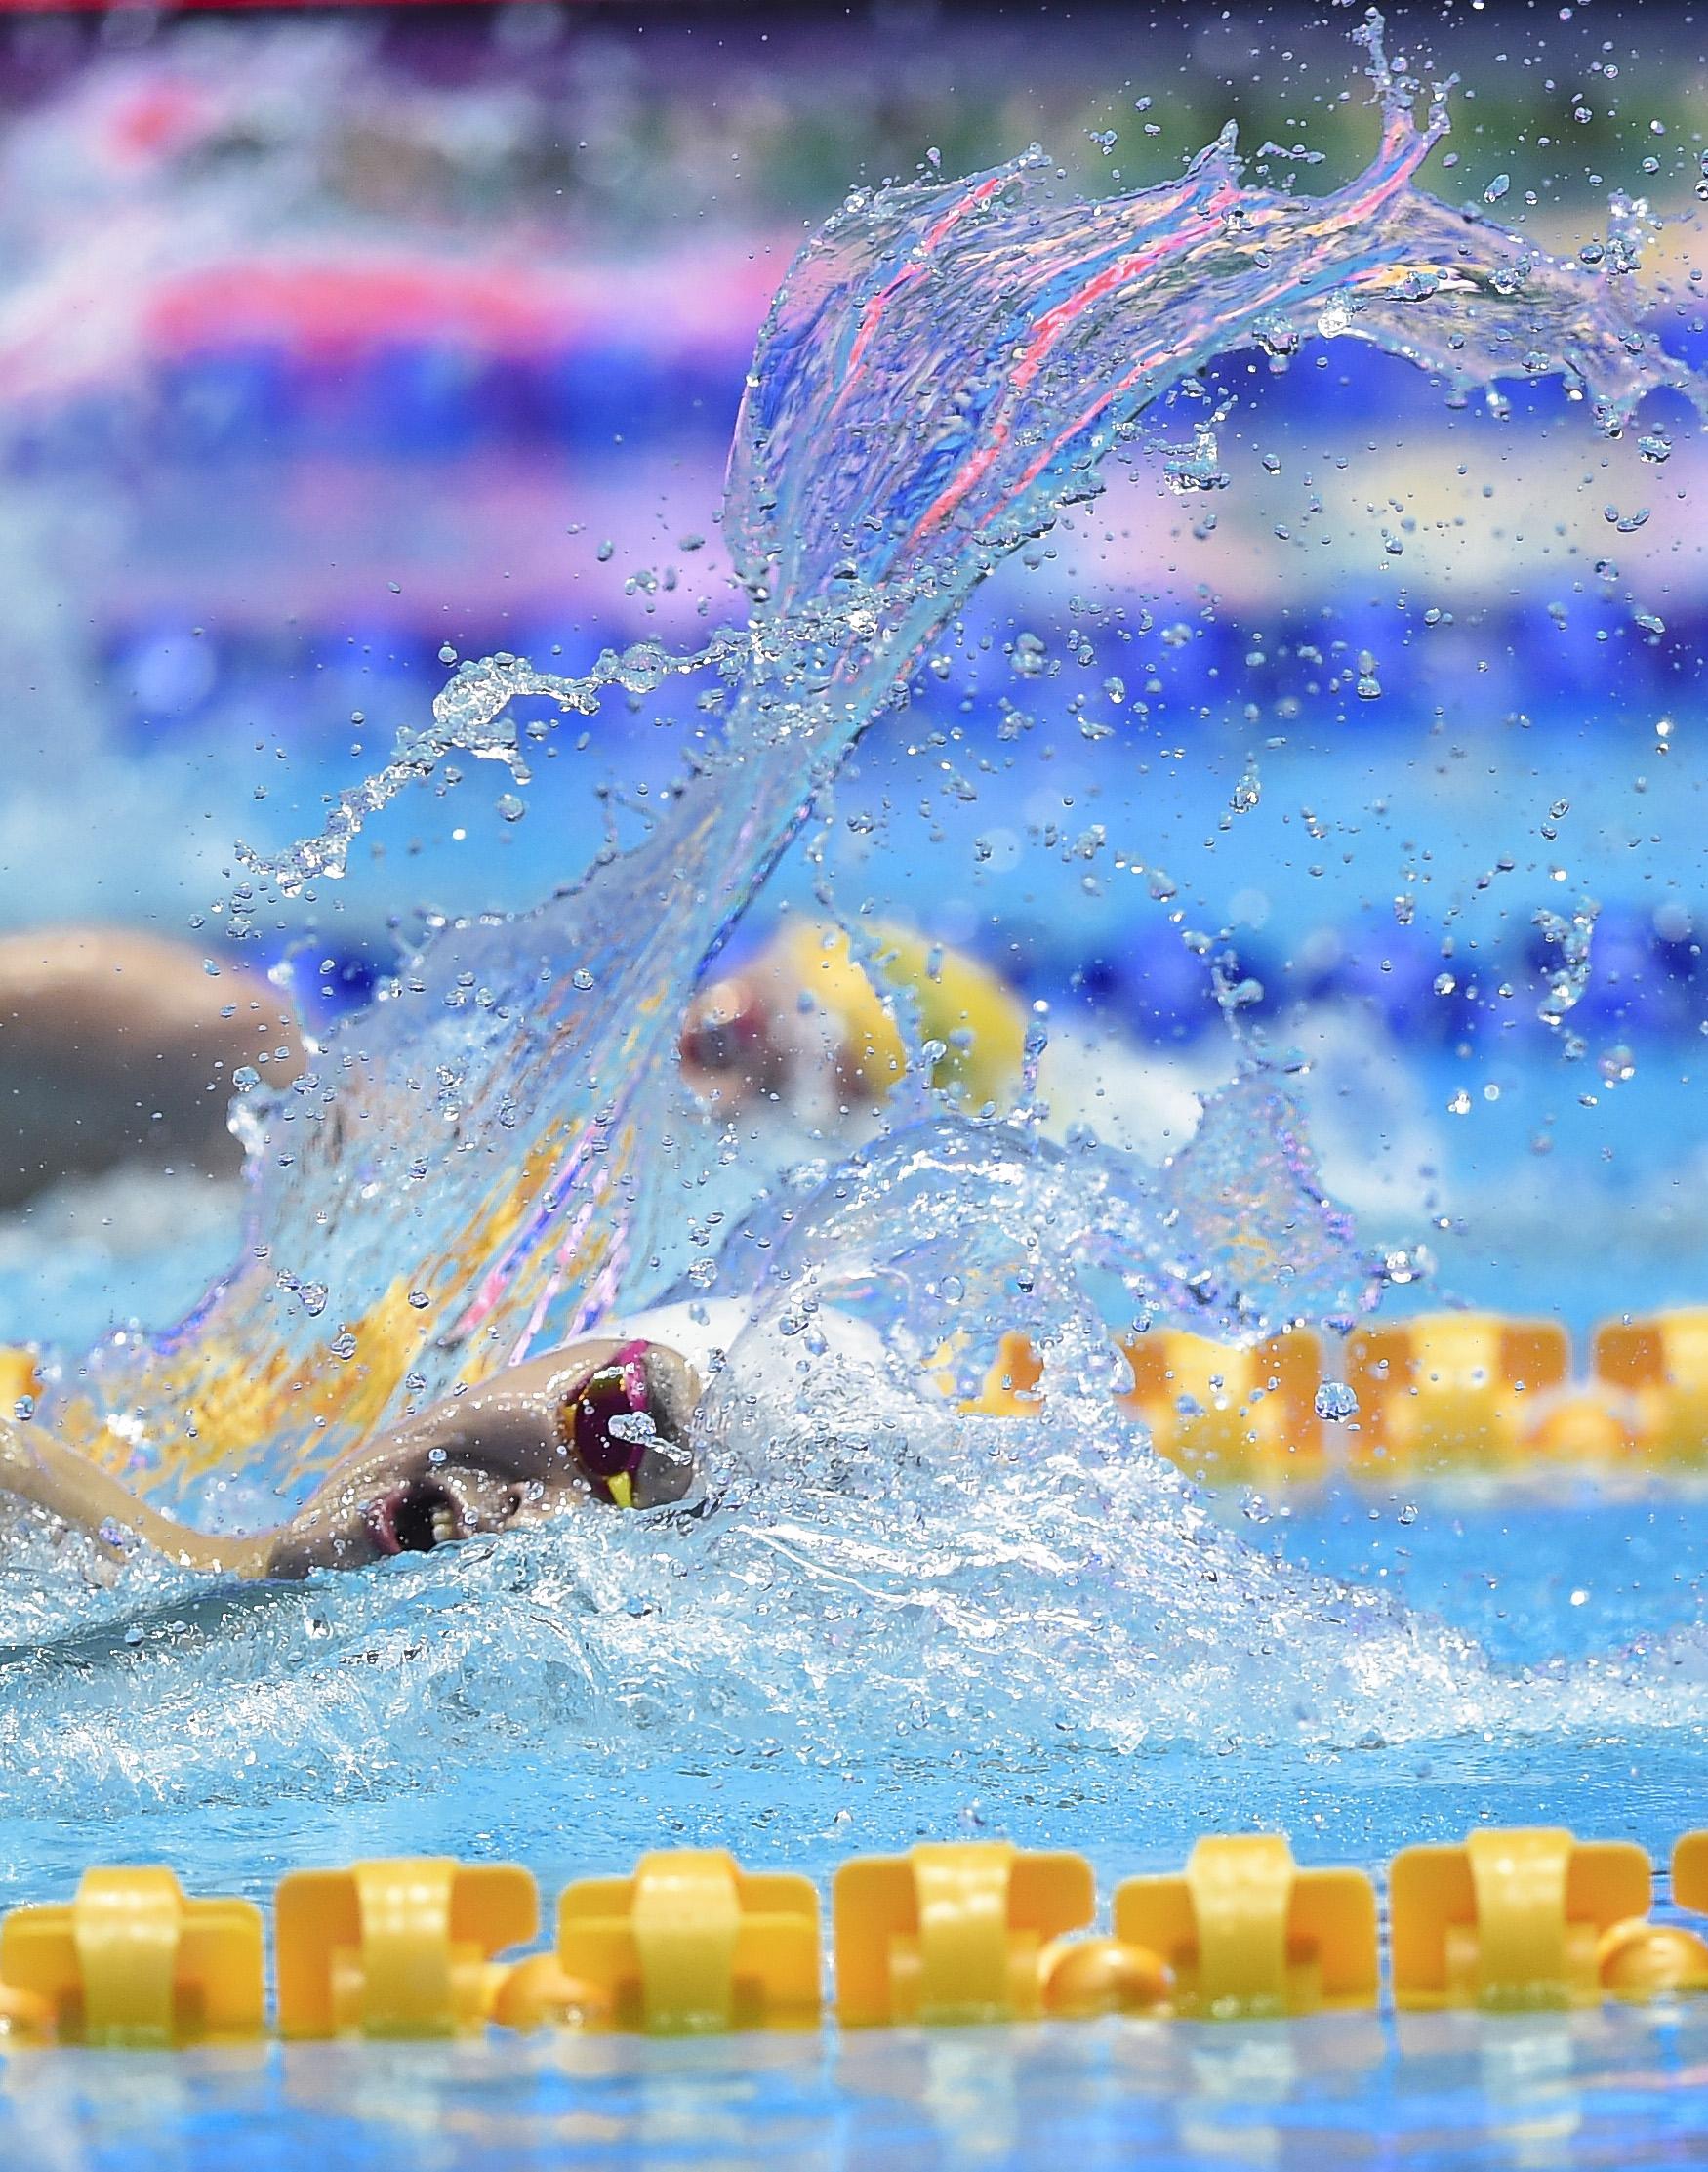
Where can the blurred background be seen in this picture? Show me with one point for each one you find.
(337, 345)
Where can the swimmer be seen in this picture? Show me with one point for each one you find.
(116, 1046)
(603, 1420)
(808, 1020)
(810, 1027)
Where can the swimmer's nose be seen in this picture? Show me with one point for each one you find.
(628, 1431)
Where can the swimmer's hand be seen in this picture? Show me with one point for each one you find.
(600, 1420)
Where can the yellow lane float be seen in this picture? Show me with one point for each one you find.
(971, 1932)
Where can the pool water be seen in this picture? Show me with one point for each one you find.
(1377, 780)
(1612, 2090)
(1560, 1584)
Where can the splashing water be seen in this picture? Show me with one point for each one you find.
(494, 1156)
(1567, 968)
(473, 1168)
(869, 1584)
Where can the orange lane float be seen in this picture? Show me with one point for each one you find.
(1448, 1395)
(1234, 1417)
(953, 1932)
(1531, 1920)
(692, 1944)
(1247, 1936)
(132, 1964)
(978, 1932)
(402, 1948)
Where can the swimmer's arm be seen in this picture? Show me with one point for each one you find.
(38, 1468)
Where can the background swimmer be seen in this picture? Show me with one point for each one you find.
(116, 1045)
(810, 1020)
(810, 1025)
(600, 1420)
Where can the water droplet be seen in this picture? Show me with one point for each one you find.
(1569, 941)
(1335, 1402)
(1497, 188)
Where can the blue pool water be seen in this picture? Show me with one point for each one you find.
(1616, 2090)
(894, 1626)
(206, 1731)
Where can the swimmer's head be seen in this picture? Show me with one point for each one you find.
(524, 1448)
(813, 1016)
(729, 1046)
(627, 1428)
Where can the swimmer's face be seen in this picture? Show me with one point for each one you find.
(729, 1045)
(619, 1435)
